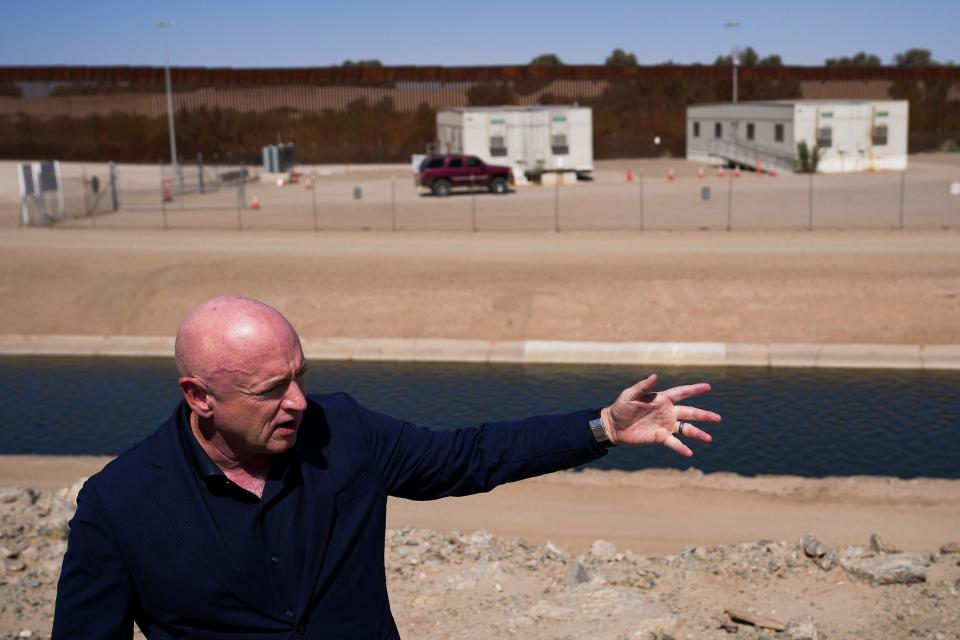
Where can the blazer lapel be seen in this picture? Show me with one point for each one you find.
(317, 516)
(175, 489)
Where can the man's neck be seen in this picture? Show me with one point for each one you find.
(248, 473)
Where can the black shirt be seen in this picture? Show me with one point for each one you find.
(261, 534)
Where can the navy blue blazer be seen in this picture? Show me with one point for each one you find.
(144, 548)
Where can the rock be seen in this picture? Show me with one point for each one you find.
(755, 619)
(828, 561)
(16, 565)
(25, 633)
(576, 574)
(895, 568)
(29, 555)
(636, 615)
(951, 547)
(553, 552)
(730, 627)
(802, 629)
(603, 549)
(7, 553)
(878, 545)
(812, 547)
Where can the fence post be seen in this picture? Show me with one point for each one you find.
(163, 196)
(903, 188)
(313, 196)
(473, 202)
(556, 202)
(241, 197)
(114, 195)
(810, 203)
(393, 203)
(200, 171)
(640, 202)
(730, 201)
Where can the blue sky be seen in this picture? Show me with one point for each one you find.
(241, 33)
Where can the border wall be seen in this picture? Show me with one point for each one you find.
(385, 114)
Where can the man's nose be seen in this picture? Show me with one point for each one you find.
(295, 400)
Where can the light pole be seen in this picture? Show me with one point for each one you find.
(734, 57)
(169, 24)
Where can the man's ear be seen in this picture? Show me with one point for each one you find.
(197, 396)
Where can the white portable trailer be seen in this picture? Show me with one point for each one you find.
(853, 135)
(541, 138)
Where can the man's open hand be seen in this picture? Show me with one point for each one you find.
(641, 416)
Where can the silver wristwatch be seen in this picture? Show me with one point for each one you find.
(596, 428)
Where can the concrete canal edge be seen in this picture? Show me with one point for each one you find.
(866, 356)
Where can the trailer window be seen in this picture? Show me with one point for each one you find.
(498, 146)
(558, 145)
(824, 137)
(717, 130)
(880, 135)
(696, 129)
(778, 132)
(749, 131)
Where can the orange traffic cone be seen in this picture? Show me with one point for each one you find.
(720, 172)
(254, 202)
(671, 175)
(629, 175)
(772, 172)
(759, 167)
(736, 172)
(700, 173)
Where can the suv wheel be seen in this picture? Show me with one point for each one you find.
(441, 188)
(498, 185)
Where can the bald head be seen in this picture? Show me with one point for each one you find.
(228, 335)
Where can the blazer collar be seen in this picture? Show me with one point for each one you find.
(174, 485)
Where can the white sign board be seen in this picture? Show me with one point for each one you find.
(955, 188)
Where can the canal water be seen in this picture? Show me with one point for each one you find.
(808, 422)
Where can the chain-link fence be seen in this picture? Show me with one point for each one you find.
(624, 195)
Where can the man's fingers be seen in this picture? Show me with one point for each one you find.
(672, 442)
(697, 415)
(690, 431)
(678, 394)
(642, 388)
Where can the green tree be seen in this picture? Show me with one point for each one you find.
(807, 158)
(773, 60)
(747, 58)
(547, 59)
(620, 58)
(859, 59)
(914, 58)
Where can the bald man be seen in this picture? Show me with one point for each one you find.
(256, 511)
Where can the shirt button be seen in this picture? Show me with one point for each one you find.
(289, 613)
(274, 559)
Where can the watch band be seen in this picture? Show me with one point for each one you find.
(596, 428)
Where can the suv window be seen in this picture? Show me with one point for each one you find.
(455, 162)
(433, 163)
(474, 161)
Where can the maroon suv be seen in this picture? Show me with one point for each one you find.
(441, 174)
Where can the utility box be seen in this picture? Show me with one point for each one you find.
(538, 138)
(278, 158)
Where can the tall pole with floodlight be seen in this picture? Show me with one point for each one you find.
(169, 24)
